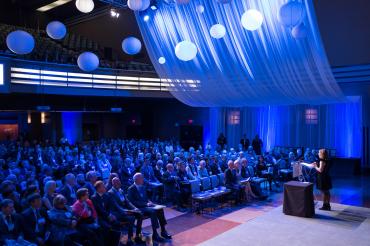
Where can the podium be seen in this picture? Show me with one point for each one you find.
(298, 199)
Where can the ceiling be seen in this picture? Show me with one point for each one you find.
(344, 25)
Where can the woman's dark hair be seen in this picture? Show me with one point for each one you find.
(58, 200)
(81, 192)
(6, 202)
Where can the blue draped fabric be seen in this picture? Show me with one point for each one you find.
(338, 126)
(245, 68)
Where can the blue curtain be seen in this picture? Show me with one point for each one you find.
(337, 126)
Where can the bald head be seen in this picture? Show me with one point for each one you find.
(138, 179)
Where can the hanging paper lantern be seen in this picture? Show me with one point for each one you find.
(145, 4)
(56, 30)
(162, 60)
(291, 14)
(88, 61)
(217, 31)
(135, 5)
(252, 19)
(131, 45)
(186, 50)
(85, 6)
(299, 31)
(180, 2)
(200, 9)
(20, 42)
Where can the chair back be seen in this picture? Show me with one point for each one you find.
(214, 181)
(221, 178)
(195, 186)
(270, 170)
(206, 183)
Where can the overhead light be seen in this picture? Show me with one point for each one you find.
(53, 5)
(146, 17)
(153, 7)
(114, 13)
(43, 118)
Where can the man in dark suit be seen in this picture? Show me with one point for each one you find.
(231, 181)
(35, 221)
(124, 210)
(171, 186)
(69, 189)
(137, 195)
(10, 223)
(245, 142)
(106, 219)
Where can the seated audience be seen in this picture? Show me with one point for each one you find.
(202, 170)
(62, 223)
(137, 195)
(123, 210)
(49, 194)
(87, 224)
(172, 186)
(231, 181)
(69, 188)
(10, 222)
(35, 221)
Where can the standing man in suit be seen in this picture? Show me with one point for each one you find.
(137, 195)
(35, 221)
(10, 222)
(124, 210)
(245, 142)
(69, 189)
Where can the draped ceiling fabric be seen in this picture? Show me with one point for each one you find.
(245, 68)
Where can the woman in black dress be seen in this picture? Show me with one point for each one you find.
(324, 183)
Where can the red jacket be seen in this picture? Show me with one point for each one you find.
(79, 209)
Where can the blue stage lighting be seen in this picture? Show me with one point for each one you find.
(146, 17)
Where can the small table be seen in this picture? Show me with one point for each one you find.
(298, 199)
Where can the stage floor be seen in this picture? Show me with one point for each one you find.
(345, 225)
(264, 220)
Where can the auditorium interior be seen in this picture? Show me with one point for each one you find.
(184, 122)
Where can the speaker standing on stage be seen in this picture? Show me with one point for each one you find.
(324, 183)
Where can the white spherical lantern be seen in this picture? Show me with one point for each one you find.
(252, 19)
(131, 45)
(145, 5)
(85, 6)
(186, 50)
(291, 14)
(135, 5)
(300, 31)
(217, 31)
(200, 9)
(162, 60)
(88, 61)
(56, 30)
(20, 42)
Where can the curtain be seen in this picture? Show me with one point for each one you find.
(335, 126)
